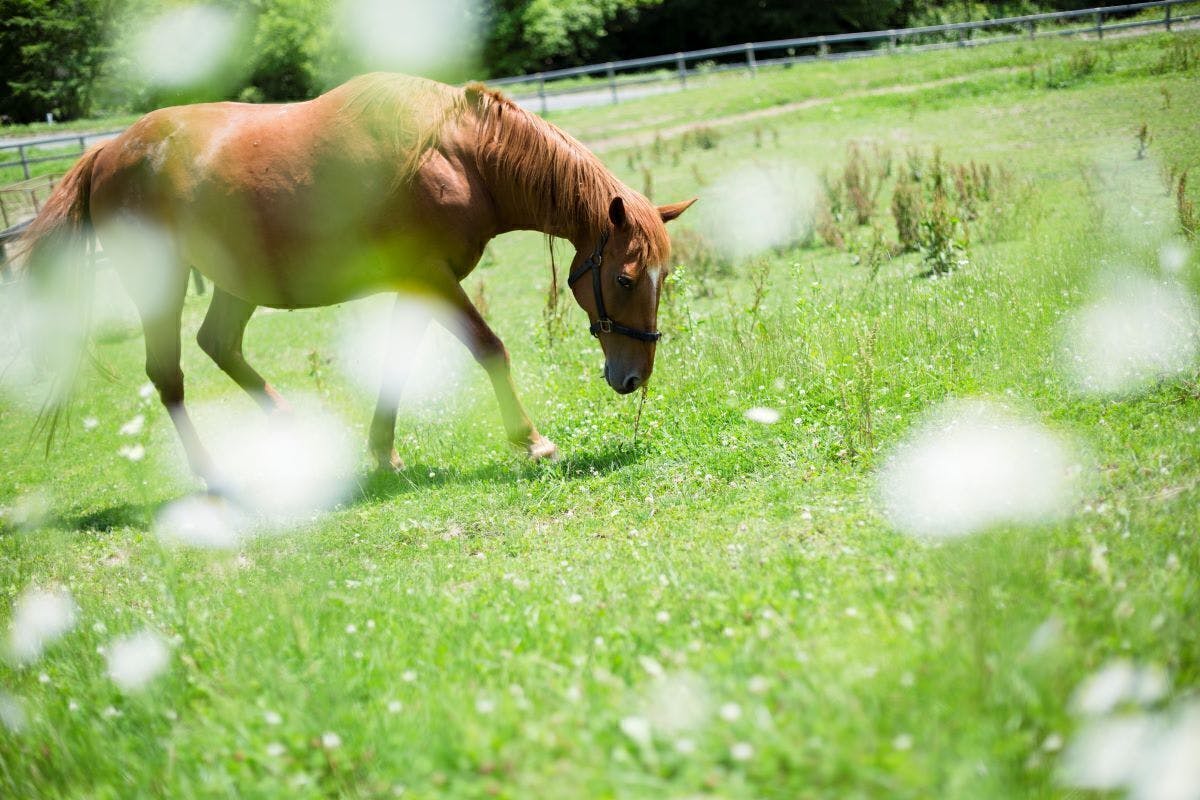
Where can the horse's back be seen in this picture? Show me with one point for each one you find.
(267, 199)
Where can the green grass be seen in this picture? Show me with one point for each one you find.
(751, 558)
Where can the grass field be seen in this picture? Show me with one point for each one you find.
(717, 608)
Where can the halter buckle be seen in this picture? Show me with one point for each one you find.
(605, 325)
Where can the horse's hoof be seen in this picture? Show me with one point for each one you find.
(542, 449)
(390, 463)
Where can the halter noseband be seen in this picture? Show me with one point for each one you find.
(605, 323)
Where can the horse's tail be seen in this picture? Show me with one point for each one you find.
(56, 257)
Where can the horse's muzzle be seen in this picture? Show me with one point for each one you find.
(623, 382)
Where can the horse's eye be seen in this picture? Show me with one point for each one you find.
(625, 281)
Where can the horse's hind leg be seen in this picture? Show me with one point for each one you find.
(220, 336)
(382, 438)
(160, 315)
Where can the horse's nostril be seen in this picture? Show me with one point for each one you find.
(632, 382)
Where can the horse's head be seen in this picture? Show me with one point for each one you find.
(617, 280)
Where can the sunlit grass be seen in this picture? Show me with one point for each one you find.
(480, 626)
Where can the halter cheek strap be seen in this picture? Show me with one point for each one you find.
(605, 323)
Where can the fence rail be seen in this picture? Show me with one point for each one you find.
(58, 143)
(749, 56)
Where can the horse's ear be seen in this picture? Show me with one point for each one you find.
(673, 210)
(616, 212)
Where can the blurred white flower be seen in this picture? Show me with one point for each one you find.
(12, 713)
(283, 469)
(1139, 330)
(133, 452)
(1171, 767)
(134, 661)
(675, 703)
(40, 617)
(741, 751)
(199, 521)
(417, 36)
(185, 46)
(637, 729)
(758, 208)
(731, 712)
(973, 465)
(405, 348)
(762, 415)
(1045, 637)
(330, 740)
(1119, 682)
(134, 426)
(1107, 753)
(1173, 256)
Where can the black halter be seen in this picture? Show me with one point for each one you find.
(604, 323)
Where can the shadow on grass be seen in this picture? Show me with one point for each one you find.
(376, 485)
(380, 485)
(122, 515)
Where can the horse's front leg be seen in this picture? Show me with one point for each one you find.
(492, 355)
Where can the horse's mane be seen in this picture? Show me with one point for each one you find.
(562, 183)
(533, 163)
(410, 112)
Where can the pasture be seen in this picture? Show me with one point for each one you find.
(690, 603)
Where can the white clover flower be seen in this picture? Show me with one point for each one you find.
(134, 426)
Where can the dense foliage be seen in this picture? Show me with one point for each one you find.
(50, 54)
(72, 57)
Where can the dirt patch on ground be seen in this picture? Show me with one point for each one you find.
(646, 137)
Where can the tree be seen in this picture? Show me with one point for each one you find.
(290, 38)
(528, 35)
(50, 54)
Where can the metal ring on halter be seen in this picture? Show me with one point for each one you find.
(604, 323)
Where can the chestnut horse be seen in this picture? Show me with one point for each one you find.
(386, 183)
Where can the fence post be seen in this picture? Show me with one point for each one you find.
(1099, 24)
(822, 47)
(82, 145)
(1032, 29)
(893, 40)
(1167, 18)
(542, 90)
(681, 68)
(24, 163)
(751, 64)
(612, 81)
